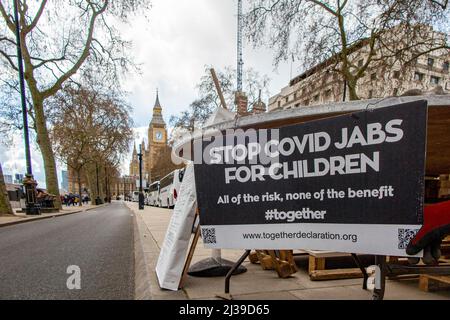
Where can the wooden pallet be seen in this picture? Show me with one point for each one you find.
(318, 272)
(430, 283)
(445, 248)
(282, 261)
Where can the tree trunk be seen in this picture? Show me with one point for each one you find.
(45, 145)
(352, 90)
(5, 206)
(79, 186)
(90, 180)
(91, 175)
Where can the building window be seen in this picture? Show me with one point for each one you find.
(430, 62)
(445, 66)
(396, 74)
(297, 105)
(295, 95)
(370, 94)
(316, 97)
(395, 92)
(418, 76)
(306, 102)
(373, 76)
(328, 93)
(360, 62)
(279, 104)
(434, 80)
(287, 99)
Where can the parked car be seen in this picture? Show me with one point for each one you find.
(169, 188)
(153, 194)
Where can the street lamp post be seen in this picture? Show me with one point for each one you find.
(141, 195)
(29, 183)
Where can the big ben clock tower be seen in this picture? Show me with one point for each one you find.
(157, 135)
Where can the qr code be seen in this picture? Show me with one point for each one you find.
(209, 235)
(405, 236)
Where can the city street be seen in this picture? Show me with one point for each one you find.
(35, 256)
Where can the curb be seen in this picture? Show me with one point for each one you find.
(142, 286)
(146, 255)
(55, 215)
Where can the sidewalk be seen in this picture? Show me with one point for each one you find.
(255, 284)
(22, 217)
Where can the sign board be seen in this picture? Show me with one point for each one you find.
(352, 183)
(171, 260)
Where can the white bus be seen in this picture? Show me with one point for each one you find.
(153, 193)
(169, 188)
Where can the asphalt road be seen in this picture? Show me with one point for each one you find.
(35, 256)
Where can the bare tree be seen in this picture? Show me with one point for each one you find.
(332, 32)
(200, 109)
(71, 134)
(58, 38)
(91, 131)
(5, 205)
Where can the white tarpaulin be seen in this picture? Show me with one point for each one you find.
(172, 257)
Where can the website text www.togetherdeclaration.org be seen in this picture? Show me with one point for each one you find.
(300, 235)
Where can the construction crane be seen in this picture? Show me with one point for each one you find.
(240, 62)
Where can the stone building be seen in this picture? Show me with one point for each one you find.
(320, 84)
(124, 185)
(72, 182)
(156, 156)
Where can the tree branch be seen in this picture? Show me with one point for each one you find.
(8, 58)
(38, 15)
(58, 84)
(442, 5)
(10, 23)
(324, 6)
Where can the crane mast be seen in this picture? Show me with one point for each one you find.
(240, 62)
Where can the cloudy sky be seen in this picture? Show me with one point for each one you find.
(173, 45)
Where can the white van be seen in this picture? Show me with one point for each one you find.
(135, 197)
(169, 188)
(153, 193)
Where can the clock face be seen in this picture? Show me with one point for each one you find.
(158, 135)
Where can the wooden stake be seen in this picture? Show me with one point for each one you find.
(219, 90)
(191, 252)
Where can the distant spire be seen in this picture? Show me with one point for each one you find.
(157, 104)
(157, 112)
(134, 148)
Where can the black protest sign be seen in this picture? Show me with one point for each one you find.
(366, 168)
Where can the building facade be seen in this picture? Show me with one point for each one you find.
(321, 84)
(18, 178)
(64, 180)
(8, 178)
(124, 186)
